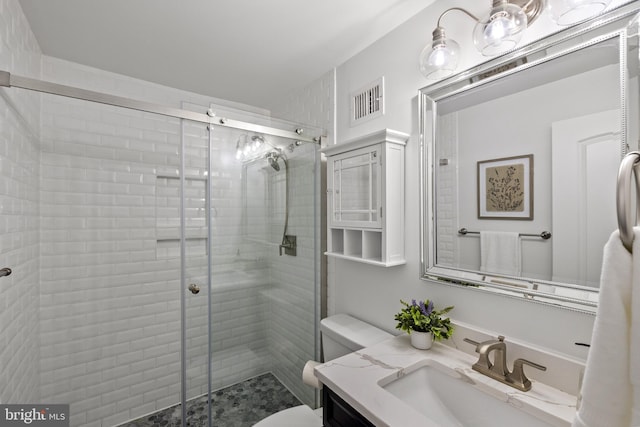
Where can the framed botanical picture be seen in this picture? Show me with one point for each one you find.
(505, 188)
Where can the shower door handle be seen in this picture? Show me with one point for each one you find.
(194, 288)
(5, 272)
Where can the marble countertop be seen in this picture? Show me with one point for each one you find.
(356, 378)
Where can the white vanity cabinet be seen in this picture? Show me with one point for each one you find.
(366, 198)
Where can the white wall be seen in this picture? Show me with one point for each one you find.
(372, 293)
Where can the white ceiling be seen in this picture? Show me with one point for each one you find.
(249, 51)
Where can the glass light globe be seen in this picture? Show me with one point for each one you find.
(501, 30)
(440, 59)
(568, 12)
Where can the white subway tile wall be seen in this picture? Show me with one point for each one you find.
(294, 291)
(91, 315)
(110, 194)
(110, 318)
(447, 201)
(20, 213)
(104, 209)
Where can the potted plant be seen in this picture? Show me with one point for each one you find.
(424, 323)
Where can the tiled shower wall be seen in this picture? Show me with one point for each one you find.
(110, 332)
(314, 105)
(96, 278)
(109, 233)
(293, 294)
(110, 199)
(19, 213)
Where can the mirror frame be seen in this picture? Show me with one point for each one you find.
(621, 23)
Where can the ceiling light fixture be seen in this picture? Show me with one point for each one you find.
(501, 30)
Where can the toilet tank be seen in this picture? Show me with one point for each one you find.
(343, 334)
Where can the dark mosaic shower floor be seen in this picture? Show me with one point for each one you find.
(241, 405)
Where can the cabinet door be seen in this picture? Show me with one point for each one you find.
(355, 200)
(338, 413)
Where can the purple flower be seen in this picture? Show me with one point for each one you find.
(423, 309)
(429, 307)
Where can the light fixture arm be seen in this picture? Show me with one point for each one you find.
(469, 14)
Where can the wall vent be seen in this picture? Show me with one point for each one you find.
(367, 102)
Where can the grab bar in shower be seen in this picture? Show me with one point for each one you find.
(544, 235)
(5, 272)
(627, 217)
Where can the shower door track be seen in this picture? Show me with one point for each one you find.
(11, 80)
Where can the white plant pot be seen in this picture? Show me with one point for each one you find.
(421, 340)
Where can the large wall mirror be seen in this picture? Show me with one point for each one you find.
(520, 159)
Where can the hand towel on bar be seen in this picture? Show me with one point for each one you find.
(606, 389)
(500, 252)
(634, 336)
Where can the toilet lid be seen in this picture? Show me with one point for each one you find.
(298, 416)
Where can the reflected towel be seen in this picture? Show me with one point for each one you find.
(500, 252)
(606, 390)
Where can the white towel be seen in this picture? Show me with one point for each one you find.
(500, 252)
(634, 352)
(606, 390)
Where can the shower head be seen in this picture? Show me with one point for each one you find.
(273, 157)
(258, 140)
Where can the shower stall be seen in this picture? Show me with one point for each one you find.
(158, 254)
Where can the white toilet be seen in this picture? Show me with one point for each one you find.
(341, 334)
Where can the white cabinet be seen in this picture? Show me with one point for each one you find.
(355, 190)
(366, 198)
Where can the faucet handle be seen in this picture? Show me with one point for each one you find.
(497, 367)
(518, 379)
(472, 342)
(477, 344)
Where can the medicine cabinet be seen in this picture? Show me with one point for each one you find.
(366, 198)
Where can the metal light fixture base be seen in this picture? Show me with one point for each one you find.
(531, 8)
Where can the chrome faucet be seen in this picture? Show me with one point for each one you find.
(498, 368)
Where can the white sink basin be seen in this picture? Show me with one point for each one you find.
(451, 399)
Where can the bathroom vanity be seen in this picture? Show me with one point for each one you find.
(394, 384)
(338, 413)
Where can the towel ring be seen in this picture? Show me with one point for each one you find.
(626, 217)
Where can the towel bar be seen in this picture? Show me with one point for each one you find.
(544, 235)
(627, 218)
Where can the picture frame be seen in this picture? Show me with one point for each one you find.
(505, 188)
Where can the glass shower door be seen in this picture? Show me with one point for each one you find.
(265, 302)
(195, 219)
(250, 311)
